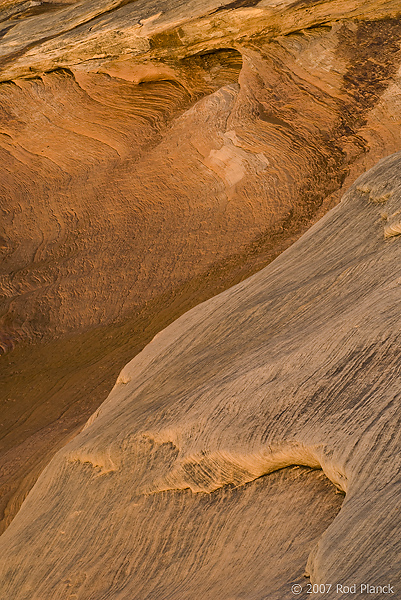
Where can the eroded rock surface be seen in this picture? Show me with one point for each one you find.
(297, 365)
(152, 155)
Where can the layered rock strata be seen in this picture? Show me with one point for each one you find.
(152, 155)
(297, 365)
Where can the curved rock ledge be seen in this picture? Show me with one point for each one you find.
(95, 31)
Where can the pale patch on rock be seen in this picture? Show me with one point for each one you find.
(232, 163)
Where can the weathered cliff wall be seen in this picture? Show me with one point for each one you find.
(162, 495)
(152, 155)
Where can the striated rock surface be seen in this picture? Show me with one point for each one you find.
(152, 155)
(163, 494)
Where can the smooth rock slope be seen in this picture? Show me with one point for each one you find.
(162, 495)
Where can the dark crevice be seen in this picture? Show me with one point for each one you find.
(4, 31)
(237, 4)
(33, 11)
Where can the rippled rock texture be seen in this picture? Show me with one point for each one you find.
(152, 155)
(181, 486)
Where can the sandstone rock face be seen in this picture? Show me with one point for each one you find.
(162, 494)
(152, 155)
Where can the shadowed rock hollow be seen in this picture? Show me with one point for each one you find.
(152, 155)
(162, 495)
